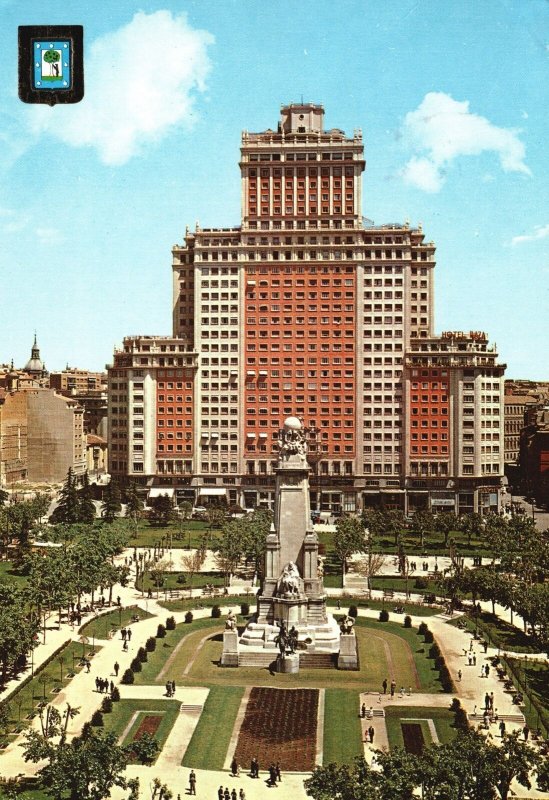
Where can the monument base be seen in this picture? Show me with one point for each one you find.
(289, 664)
(348, 657)
(229, 656)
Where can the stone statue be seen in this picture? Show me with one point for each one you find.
(292, 438)
(230, 623)
(288, 583)
(282, 639)
(292, 639)
(346, 624)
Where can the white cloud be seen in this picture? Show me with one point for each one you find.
(442, 129)
(49, 235)
(540, 232)
(140, 82)
(12, 221)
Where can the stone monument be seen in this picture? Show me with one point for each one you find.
(291, 607)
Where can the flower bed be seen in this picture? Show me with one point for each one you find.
(279, 725)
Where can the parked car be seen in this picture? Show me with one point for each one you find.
(199, 512)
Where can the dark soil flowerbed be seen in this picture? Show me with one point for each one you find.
(412, 734)
(149, 724)
(279, 725)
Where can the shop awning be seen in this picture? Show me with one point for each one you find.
(158, 491)
(212, 491)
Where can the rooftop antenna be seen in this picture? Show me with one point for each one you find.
(301, 99)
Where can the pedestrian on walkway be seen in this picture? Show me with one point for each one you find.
(474, 659)
(97, 682)
(233, 794)
(234, 767)
(526, 732)
(277, 771)
(123, 633)
(241, 795)
(192, 782)
(384, 684)
(487, 670)
(486, 701)
(459, 675)
(129, 634)
(226, 794)
(173, 687)
(393, 687)
(111, 686)
(502, 729)
(363, 710)
(88, 665)
(371, 733)
(116, 668)
(125, 646)
(220, 793)
(491, 700)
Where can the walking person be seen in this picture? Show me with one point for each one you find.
(459, 675)
(393, 687)
(173, 687)
(129, 634)
(233, 794)
(220, 793)
(502, 729)
(277, 771)
(384, 684)
(241, 795)
(192, 782)
(371, 733)
(116, 668)
(526, 732)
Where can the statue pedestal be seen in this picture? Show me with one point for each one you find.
(229, 656)
(289, 664)
(348, 657)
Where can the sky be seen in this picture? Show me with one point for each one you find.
(451, 97)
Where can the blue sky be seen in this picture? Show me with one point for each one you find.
(451, 98)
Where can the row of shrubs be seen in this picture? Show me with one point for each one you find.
(150, 644)
(461, 721)
(436, 654)
(106, 708)
(37, 671)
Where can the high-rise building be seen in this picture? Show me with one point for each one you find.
(306, 308)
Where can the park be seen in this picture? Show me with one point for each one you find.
(136, 668)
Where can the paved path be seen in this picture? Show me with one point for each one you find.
(80, 692)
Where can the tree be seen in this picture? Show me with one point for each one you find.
(162, 510)
(67, 510)
(256, 528)
(87, 768)
(145, 749)
(51, 57)
(471, 525)
(193, 563)
(230, 549)
(18, 629)
(86, 507)
(349, 538)
(394, 522)
(112, 504)
(134, 505)
(445, 523)
(513, 760)
(422, 525)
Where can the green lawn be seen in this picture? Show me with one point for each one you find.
(55, 675)
(210, 740)
(442, 717)
(112, 621)
(532, 679)
(191, 635)
(385, 650)
(502, 634)
(192, 603)
(29, 794)
(180, 580)
(9, 575)
(124, 711)
(434, 545)
(397, 584)
(362, 602)
(190, 533)
(342, 733)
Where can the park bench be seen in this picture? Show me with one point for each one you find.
(388, 594)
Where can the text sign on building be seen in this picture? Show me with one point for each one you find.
(474, 336)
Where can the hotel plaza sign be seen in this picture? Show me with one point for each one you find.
(472, 336)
